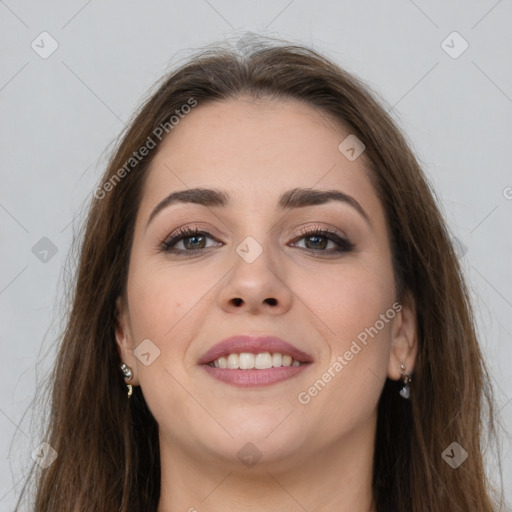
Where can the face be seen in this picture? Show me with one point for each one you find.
(318, 276)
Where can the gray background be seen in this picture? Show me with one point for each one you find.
(60, 113)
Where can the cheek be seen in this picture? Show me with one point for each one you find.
(348, 300)
(162, 310)
(356, 308)
(161, 297)
(354, 313)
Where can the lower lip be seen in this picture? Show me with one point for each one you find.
(251, 378)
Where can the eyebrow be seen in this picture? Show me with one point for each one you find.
(294, 198)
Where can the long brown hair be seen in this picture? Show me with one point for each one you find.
(107, 445)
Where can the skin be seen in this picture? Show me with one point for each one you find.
(314, 456)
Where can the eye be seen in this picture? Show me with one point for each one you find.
(193, 240)
(317, 240)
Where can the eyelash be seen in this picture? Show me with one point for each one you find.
(344, 244)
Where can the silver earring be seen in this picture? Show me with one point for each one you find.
(128, 375)
(405, 392)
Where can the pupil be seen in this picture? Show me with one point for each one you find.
(194, 238)
(317, 238)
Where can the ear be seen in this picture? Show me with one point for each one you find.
(124, 337)
(404, 339)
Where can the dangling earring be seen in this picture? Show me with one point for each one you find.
(128, 374)
(405, 392)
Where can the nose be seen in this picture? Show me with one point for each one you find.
(256, 286)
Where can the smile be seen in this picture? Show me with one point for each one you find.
(246, 369)
(249, 360)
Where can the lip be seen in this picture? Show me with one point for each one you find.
(252, 378)
(253, 345)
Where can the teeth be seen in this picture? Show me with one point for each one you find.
(233, 361)
(248, 361)
(263, 361)
(277, 360)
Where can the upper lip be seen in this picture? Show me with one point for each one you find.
(253, 344)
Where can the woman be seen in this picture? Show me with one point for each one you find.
(268, 312)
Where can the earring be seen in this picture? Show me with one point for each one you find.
(405, 392)
(128, 374)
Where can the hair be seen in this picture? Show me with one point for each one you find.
(108, 447)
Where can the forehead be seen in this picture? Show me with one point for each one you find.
(256, 150)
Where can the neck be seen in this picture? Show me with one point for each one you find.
(337, 478)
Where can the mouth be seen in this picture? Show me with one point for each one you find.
(254, 360)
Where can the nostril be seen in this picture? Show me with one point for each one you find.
(237, 302)
(272, 302)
